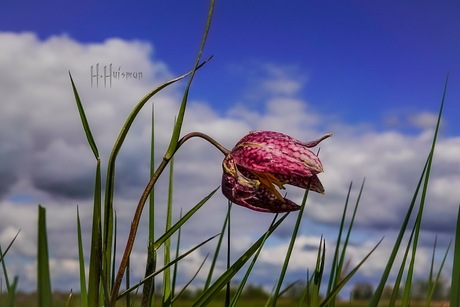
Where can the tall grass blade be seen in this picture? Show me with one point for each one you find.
(402, 266)
(181, 114)
(425, 174)
(108, 205)
(207, 295)
(455, 284)
(216, 252)
(434, 283)
(179, 223)
(149, 286)
(331, 296)
(239, 291)
(10, 287)
(163, 268)
(95, 267)
(190, 281)
(167, 292)
(45, 298)
(176, 265)
(295, 231)
(335, 268)
(81, 261)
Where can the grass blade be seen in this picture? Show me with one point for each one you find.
(455, 284)
(343, 281)
(207, 295)
(190, 281)
(216, 253)
(181, 114)
(434, 283)
(179, 223)
(167, 292)
(276, 294)
(239, 291)
(81, 260)
(164, 267)
(45, 298)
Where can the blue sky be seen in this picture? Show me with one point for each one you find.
(363, 61)
(371, 73)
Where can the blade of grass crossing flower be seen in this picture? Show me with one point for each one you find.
(167, 292)
(219, 244)
(455, 284)
(207, 295)
(179, 223)
(239, 291)
(434, 283)
(81, 260)
(43, 271)
(289, 251)
(181, 114)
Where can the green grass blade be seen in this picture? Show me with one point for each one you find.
(95, 268)
(239, 291)
(455, 284)
(434, 283)
(10, 287)
(44, 293)
(207, 295)
(190, 281)
(84, 120)
(174, 277)
(339, 286)
(108, 204)
(167, 292)
(395, 292)
(81, 260)
(276, 294)
(181, 114)
(425, 174)
(317, 277)
(335, 269)
(164, 267)
(219, 244)
(149, 286)
(95, 260)
(179, 223)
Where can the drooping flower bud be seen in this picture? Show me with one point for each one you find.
(263, 159)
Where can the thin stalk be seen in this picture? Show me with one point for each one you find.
(140, 207)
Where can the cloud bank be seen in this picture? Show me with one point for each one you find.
(46, 159)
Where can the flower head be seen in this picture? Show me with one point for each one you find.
(264, 159)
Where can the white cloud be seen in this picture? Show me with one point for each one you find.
(46, 159)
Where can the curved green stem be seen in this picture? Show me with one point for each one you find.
(143, 200)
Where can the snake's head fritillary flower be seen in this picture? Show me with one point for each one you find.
(262, 160)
